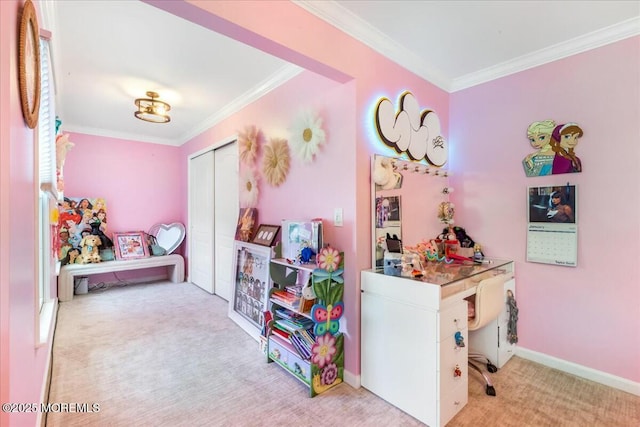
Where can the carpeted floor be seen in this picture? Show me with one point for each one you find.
(166, 354)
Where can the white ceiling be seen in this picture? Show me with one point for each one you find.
(107, 53)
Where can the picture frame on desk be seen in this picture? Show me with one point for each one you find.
(130, 245)
(266, 235)
(251, 284)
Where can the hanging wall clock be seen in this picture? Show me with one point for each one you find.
(29, 64)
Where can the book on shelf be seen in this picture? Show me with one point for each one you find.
(300, 347)
(284, 334)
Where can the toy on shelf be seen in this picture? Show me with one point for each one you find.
(89, 252)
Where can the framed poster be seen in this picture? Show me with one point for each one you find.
(251, 281)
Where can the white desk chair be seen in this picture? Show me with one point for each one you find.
(489, 302)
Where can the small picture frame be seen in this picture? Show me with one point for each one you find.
(266, 234)
(130, 245)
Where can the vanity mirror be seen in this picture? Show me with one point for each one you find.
(405, 196)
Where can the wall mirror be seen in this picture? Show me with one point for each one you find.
(404, 202)
(168, 236)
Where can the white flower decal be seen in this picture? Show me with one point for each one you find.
(307, 136)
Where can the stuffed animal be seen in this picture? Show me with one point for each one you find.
(89, 252)
(385, 175)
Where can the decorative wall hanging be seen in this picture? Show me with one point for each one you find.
(275, 162)
(248, 188)
(249, 141)
(554, 146)
(306, 136)
(410, 130)
(29, 64)
(552, 229)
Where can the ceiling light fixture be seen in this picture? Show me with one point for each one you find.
(152, 109)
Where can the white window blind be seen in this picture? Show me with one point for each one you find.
(47, 124)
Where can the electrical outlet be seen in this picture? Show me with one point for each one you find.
(337, 217)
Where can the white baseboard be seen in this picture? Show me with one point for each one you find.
(351, 379)
(580, 371)
(139, 280)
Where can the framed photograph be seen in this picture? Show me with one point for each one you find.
(266, 234)
(29, 64)
(297, 235)
(388, 211)
(553, 204)
(251, 283)
(130, 245)
(247, 219)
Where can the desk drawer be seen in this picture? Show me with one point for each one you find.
(453, 320)
(452, 357)
(452, 403)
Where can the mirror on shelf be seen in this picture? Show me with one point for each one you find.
(405, 199)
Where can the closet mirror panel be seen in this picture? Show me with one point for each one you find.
(405, 198)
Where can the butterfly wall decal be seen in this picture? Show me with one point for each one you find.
(326, 318)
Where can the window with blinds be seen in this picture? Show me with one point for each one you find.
(47, 124)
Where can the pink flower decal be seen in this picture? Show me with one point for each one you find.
(323, 350)
(329, 259)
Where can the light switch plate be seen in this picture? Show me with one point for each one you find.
(337, 217)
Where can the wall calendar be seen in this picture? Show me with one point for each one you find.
(552, 231)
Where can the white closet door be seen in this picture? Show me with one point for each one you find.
(226, 216)
(201, 204)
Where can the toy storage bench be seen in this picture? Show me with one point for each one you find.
(173, 262)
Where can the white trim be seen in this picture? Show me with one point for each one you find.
(277, 79)
(351, 379)
(284, 74)
(580, 371)
(346, 21)
(614, 33)
(52, 310)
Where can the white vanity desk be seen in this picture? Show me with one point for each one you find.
(408, 326)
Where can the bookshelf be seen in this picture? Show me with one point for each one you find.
(302, 335)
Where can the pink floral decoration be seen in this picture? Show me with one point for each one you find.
(323, 350)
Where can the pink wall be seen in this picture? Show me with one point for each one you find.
(141, 183)
(262, 25)
(22, 365)
(589, 315)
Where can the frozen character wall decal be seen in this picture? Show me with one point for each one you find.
(554, 145)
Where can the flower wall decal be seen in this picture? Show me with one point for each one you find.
(249, 140)
(307, 136)
(248, 188)
(275, 161)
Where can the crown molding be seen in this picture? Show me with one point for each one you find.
(277, 79)
(351, 24)
(611, 34)
(346, 21)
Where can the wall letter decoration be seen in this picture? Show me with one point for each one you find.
(410, 130)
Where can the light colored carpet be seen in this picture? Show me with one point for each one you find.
(166, 354)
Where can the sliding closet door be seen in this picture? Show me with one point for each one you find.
(201, 204)
(225, 215)
(213, 213)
